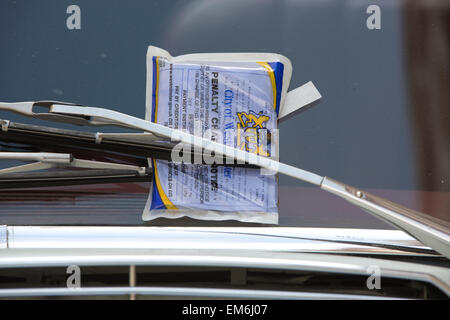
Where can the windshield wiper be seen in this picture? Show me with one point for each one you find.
(133, 145)
(70, 178)
(100, 172)
(435, 234)
(46, 160)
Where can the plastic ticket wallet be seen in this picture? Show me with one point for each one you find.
(232, 98)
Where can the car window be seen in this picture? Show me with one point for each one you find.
(382, 123)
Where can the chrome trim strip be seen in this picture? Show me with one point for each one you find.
(310, 262)
(348, 235)
(184, 292)
(267, 239)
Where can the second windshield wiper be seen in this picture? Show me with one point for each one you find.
(22, 176)
(70, 178)
(46, 160)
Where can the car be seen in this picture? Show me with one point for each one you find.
(75, 180)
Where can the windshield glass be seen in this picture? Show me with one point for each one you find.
(382, 123)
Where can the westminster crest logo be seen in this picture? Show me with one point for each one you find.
(253, 135)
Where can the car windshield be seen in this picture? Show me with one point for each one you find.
(382, 123)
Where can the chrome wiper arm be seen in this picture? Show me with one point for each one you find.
(187, 138)
(29, 108)
(435, 235)
(429, 231)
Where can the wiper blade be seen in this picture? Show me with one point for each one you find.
(430, 232)
(46, 160)
(70, 178)
(99, 172)
(144, 145)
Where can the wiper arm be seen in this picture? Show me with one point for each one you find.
(436, 235)
(29, 108)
